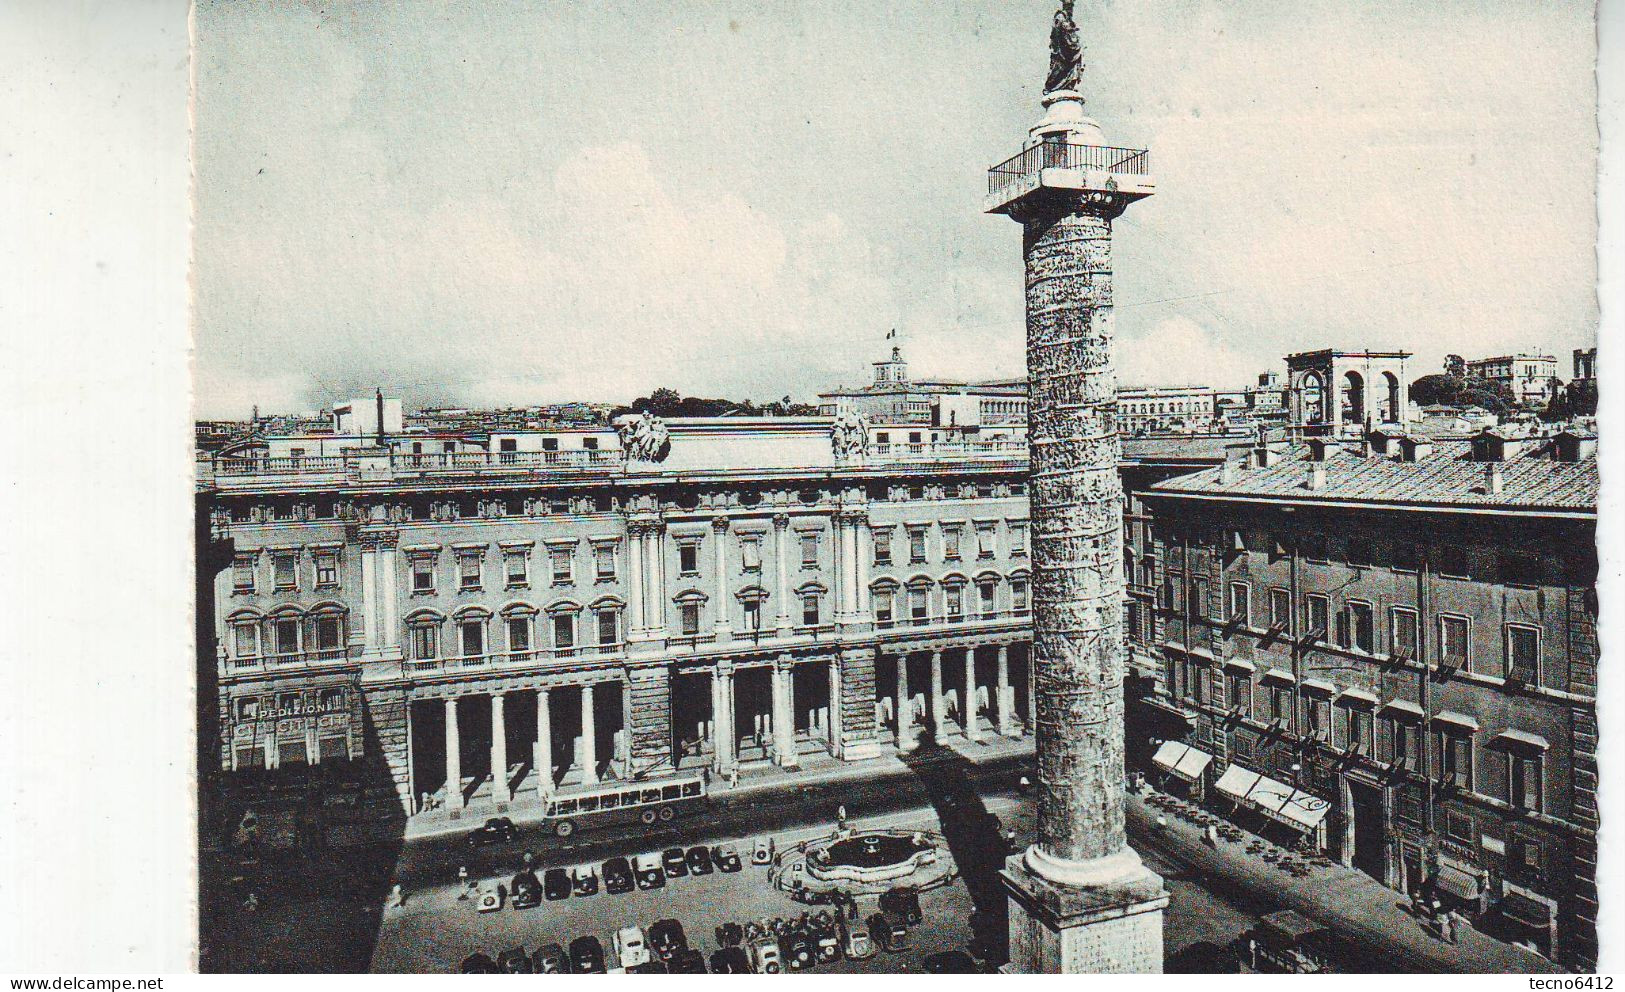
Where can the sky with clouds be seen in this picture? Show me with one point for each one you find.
(512, 203)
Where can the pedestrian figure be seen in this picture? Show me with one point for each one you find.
(465, 882)
(397, 898)
(733, 777)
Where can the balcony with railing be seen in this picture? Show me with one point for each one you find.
(287, 661)
(1003, 450)
(1067, 166)
(354, 466)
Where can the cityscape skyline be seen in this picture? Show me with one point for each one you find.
(685, 252)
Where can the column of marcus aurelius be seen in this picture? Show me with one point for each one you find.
(1081, 900)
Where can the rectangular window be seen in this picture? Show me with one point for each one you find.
(1362, 635)
(1406, 557)
(1455, 752)
(329, 634)
(468, 571)
(986, 594)
(1241, 603)
(1524, 784)
(564, 631)
(423, 575)
(1358, 729)
(248, 640)
(1453, 643)
(1280, 608)
(1173, 591)
(286, 636)
(1458, 826)
(987, 541)
(1018, 595)
(1519, 568)
(955, 597)
(688, 558)
(472, 635)
(916, 545)
(1241, 692)
(517, 566)
(753, 614)
(1195, 682)
(883, 607)
(1280, 702)
(1408, 803)
(809, 550)
(286, 576)
(1199, 606)
(609, 627)
(563, 561)
(1523, 654)
(425, 642)
(1402, 632)
(1315, 548)
(1316, 614)
(242, 574)
(327, 569)
(883, 546)
(918, 606)
(950, 542)
(690, 618)
(809, 610)
(1404, 747)
(1359, 552)
(1318, 714)
(603, 556)
(750, 553)
(1018, 539)
(518, 634)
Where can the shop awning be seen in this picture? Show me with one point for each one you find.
(1181, 759)
(1236, 782)
(1287, 805)
(1461, 884)
(1519, 908)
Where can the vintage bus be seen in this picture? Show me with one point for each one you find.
(648, 803)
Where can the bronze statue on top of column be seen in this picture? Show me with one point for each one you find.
(1065, 53)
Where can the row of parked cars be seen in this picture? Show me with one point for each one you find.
(617, 875)
(663, 950)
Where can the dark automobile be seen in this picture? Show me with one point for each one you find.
(950, 963)
(587, 956)
(797, 951)
(675, 862)
(480, 964)
(904, 903)
(651, 871)
(699, 861)
(585, 880)
(618, 876)
(549, 959)
(730, 935)
(525, 891)
(730, 960)
(514, 961)
(687, 962)
(887, 930)
(497, 830)
(653, 967)
(726, 858)
(666, 938)
(556, 884)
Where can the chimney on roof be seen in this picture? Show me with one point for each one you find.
(1494, 478)
(1317, 476)
(1414, 449)
(1264, 456)
(1320, 448)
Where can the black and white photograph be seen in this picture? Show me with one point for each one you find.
(995, 487)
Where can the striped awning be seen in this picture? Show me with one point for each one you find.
(1182, 760)
(1280, 802)
(1236, 782)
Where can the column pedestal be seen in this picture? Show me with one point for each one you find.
(1112, 928)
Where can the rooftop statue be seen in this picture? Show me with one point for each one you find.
(1065, 54)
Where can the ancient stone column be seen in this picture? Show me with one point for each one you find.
(973, 727)
(905, 707)
(499, 752)
(543, 757)
(1081, 900)
(1006, 696)
(939, 724)
(589, 738)
(454, 760)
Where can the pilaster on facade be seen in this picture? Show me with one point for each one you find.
(723, 623)
(784, 712)
(781, 589)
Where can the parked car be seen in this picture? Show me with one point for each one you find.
(688, 961)
(730, 935)
(887, 930)
(480, 964)
(556, 884)
(796, 950)
(675, 862)
(761, 852)
(730, 960)
(514, 961)
(587, 956)
(764, 956)
(667, 938)
(726, 858)
(648, 968)
(630, 948)
(904, 902)
(584, 880)
(855, 939)
(699, 861)
(489, 896)
(950, 963)
(525, 891)
(651, 874)
(549, 959)
(496, 830)
(618, 876)
(826, 944)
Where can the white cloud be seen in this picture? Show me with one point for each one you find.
(1177, 351)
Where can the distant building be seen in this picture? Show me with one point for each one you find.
(1585, 363)
(1531, 378)
(1332, 392)
(997, 406)
(1163, 409)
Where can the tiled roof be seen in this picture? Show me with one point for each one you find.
(1202, 447)
(1448, 477)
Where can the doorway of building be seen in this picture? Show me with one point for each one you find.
(1370, 835)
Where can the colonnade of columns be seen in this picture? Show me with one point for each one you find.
(542, 747)
(1002, 701)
